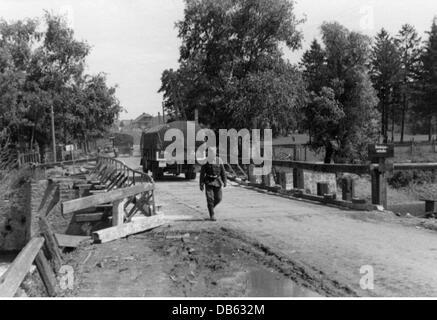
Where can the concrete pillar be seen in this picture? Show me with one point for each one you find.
(286, 180)
(268, 180)
(253, 178)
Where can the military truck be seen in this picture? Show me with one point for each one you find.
(152, 148)
(124, 143)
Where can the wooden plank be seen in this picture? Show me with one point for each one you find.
(68, 241)
(12, 278)
(89, 217)
(124, 230)
(83, 185)
(65, 163)
(322, 167)
(121, 182)
(105, 206)
(100, 191)
(50, 242)
(415, 166)
(104, 174)
(111, 175)
(94, 200)
(115, 181)
(46, 273)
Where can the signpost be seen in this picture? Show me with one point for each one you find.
(378, 153)
(381, 151)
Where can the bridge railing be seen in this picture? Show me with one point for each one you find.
(134, 175)
(378, 178)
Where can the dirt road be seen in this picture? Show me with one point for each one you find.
(325, 247)
(329, 243)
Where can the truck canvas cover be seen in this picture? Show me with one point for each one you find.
(153, 138)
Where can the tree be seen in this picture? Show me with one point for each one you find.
(234, 44)
(408, 43)
(427, 106)
(39, 69)
(315, 67)
(273, 98)
(385, 71)
(324, 114)
(346, 56)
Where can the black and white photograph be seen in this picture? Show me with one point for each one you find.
(206, 150)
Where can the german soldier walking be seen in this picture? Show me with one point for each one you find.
(212, 179)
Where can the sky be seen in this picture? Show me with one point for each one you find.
(134, 41)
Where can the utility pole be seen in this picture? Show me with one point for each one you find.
(53, 133)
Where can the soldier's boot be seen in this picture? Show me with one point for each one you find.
(211, 213)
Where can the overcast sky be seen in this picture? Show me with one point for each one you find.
(133, 41)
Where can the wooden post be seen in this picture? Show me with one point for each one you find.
(118, 212)
(12, 278)
(51, 243)
(379, 184)
(47, 275)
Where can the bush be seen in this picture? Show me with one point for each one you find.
(402, 179)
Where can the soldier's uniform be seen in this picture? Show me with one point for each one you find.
(213, 177)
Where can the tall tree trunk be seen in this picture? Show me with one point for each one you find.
(404, 110)
(329, 151)
(383, 127)
(385, 109)
(430, 118)
(393, 125)
(386, 124)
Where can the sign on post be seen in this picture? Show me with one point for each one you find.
(378, 153)
(381, 151)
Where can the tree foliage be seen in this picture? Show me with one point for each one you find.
(231, 66)
(409, 46)
(426, 94)
(385, 69)
(39, 69)
(338, 77)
